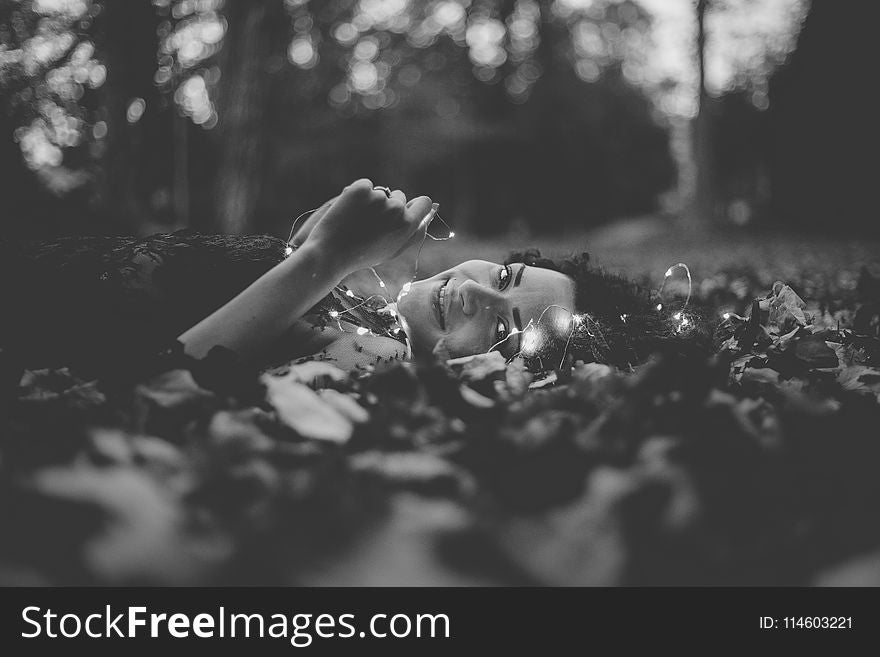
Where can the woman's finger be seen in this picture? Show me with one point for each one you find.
(418, 214)
(398, 195)
(417, 210)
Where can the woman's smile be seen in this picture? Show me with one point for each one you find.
(440, 306)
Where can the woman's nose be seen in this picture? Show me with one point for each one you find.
(477, 297)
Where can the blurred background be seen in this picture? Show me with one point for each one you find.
(527, 120)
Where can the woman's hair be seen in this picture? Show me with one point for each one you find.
(617, 321)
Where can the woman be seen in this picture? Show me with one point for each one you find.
(108, 305)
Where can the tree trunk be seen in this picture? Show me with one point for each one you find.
(704, 194)
(128, 35)
(241, 99)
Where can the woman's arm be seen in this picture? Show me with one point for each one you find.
(258, 315)
(362, 228)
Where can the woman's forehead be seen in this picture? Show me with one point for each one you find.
(540, 289)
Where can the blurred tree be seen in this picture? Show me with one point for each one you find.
(251, 40)
(457, 87)
(129, 112)
(822, 122)
(704, 196)
(739, 43)
(48, 74)
(393, 87)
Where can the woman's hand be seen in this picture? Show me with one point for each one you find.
(363, 228)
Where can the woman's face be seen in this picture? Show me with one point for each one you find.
(478, 305)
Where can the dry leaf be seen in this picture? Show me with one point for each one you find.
(301, 409)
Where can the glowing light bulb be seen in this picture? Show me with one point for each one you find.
(406, 287)
(362, 331)
(381, 283)
(726, 315)
(668, 272)
(677, 315)
(659, 306)
(288, 251)
(334, 314)
(530, 341)
(564, 321)
(623, 318)
(349, 293)
(451, 233)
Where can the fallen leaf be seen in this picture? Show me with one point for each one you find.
(300, 408)
(786, 308)
(581, 544)
(313, 372)
(517, 378)
(860, 378)
(420, 471)
(815, 353)
(481, 366)
(345, 404)
(474, 398)
(144, 539)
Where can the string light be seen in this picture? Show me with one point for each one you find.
(533, 337)
(390, 308)
(666, 278)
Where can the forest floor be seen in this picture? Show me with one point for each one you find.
(757, 465)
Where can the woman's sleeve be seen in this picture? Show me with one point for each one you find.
(220, 371)
(353, 352)
(105, 306)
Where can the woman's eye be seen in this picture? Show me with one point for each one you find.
(500, 330)
(504, 277)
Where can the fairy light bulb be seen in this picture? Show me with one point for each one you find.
(726, 315)
(288, 251)
(530, 341)
(349, 293)
(659, 306)
(668, 273)
(362, 331)
(564, 322)
(451, 234)
(334, 314)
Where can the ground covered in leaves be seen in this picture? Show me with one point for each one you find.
(757, 465)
